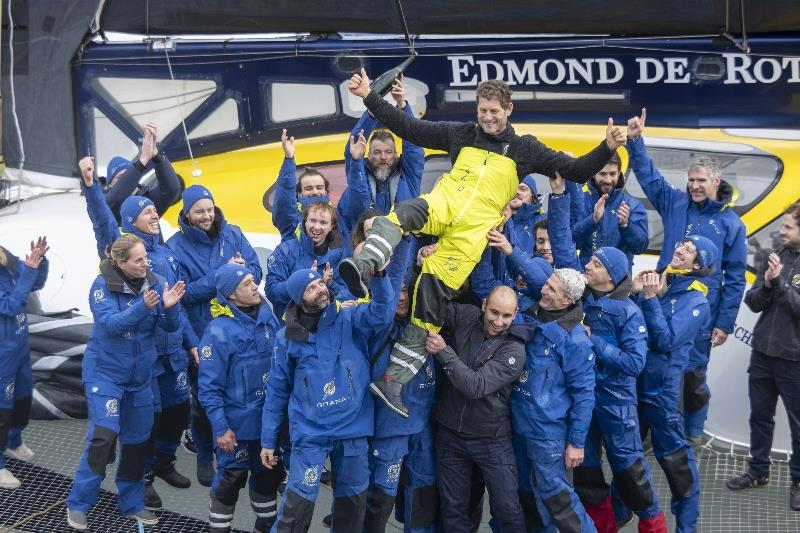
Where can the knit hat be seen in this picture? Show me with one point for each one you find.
(115, 165)
(193, 194)
(227, 278)
(298, 282)
(615, 262)
(531, 183)
(707, 251)
(131, 209)
(574, 282)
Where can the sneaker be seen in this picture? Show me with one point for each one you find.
(356, 279)
(327, 521)
(144, 516)
(187, 443)
(77, 519)
(326, 476)
(794, 496)
(152, 501)
(164, 468)
(389, 392)
(7, 480)
(746, 481)
(21, 453)
(205, 472)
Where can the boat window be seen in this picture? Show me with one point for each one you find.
(296, 101)
(224, 119)
(762, 243)
(109, 142)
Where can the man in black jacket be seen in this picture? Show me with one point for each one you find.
(487, 356)
(775, 363)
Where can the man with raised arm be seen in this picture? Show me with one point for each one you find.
(705, 208)
(489, 161)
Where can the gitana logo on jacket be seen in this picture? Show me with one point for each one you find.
(205, 353)
(393, 472)
(112, 407)
(98, 295)
(329, 389)
(181, 381)
(9, 391)
(311, 476)
(523, 377)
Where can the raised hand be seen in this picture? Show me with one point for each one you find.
(651, 284)
(86, 165)
(599, 208)
(150, 298)
(173, 296)
(358, 147)
(327, 274)
(237, 259)
(359, 84)
(38, 251)
(557, 184)
(636, 125)
(288, 144)
(774, 268)
(614, 135)
(499, 241)
(623, 213)
(149, 149)
(434, 343)
(398, 93)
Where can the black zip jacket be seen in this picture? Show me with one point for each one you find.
(776, 333)
(479, 372)
(530, 155)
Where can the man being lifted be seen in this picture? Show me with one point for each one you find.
(489, 160)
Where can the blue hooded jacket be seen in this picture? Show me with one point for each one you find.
(200, 256)
(122, 347)
(554, 397)
(712, 219)
(287, 206)
(363, 191)
(589, 236)
(673, 321)
(235, 357)
(322, 378)
(292, 255)
(171, 346)
(17, 281)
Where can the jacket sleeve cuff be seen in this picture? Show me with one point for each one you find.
(446, 356)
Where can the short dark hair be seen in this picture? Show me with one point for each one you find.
(615, 160)
(794, 211)
(495, 90)
(541, 224)
(359, 235)
(311, 171)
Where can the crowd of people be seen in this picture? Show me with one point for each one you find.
(428, 347)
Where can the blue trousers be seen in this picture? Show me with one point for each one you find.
(770, 378)
(696, 393)
(114, 412)
(16, 387)
(677, 460)
(420, 497)
(542, 472)
(617, 428)
(349, 466)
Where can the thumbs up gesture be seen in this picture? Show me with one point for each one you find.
(614, 135)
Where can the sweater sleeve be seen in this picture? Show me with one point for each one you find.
(536, 157)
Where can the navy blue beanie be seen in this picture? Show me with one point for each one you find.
(227, 278)
(130, 210)
(193, 194)
(531, 183)
(615, 261)
(115, 166)
(298, 282)
(707, 251)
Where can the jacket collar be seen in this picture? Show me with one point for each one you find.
(295, 330)
(116, 283)
(567, 321)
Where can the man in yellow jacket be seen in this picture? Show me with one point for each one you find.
(489, 161)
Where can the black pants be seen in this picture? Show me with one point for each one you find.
(456, 455)
(770, 378)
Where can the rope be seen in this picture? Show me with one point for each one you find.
(196, 172)
(30, 517)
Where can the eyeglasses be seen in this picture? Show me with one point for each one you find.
(688, 246)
